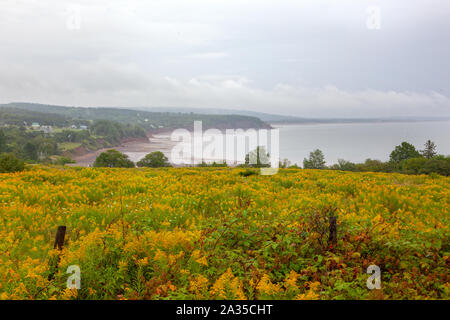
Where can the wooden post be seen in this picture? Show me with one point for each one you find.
(59, 239)
(332, 239)
(59, 243)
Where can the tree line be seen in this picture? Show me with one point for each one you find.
(147, 120)
(35, 146)
(405, 158)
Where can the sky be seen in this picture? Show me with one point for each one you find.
(305, 58)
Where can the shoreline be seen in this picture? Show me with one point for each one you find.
(137, 148)
(134, 148)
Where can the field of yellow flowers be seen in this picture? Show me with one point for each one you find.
(215, 233)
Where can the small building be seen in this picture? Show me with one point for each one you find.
(47, 129)
(35, 125)
(83, 127)
(73, 126)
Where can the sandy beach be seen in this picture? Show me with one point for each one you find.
(135, 150)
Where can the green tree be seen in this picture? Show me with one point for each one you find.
(10, 163)
(108, 129)
(430, 150)
(30, 151)
(413, 165)
(113, 159)
(155, 159)
(2, 141)
(258, 158)
(439, 166)
(404, 151)
(285, 163)
(213, 164)
(47, 147)
(316, 160)
(371, 165)
(344, 165)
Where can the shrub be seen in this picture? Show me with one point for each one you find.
(213, 164)
(258, 158)
(316, 160)
(248, 172)
(63, 161)
(375, 166)
(154, 160)
(404, 151)
(344, 165)
(441, 167)
(412, 166)
(10, 163)
(113, 159)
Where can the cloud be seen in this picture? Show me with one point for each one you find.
(106, 83)
(208, 55)
(308, 58)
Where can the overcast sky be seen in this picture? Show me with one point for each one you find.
(305, 58)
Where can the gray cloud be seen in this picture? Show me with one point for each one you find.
(309, 58)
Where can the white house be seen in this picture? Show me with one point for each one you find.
(47, 129)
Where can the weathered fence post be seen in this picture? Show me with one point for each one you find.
(332, 239)
(59, 243)
(59, 239)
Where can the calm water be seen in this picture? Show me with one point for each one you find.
(358, 141)
(351, 141)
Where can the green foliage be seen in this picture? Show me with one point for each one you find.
(155, 159)
(37, 146)
(10, 163)
(258, 158)
(213, 164)
(344, 165)
(413, 165)
(113, 159)
(438, 166)
(2, 141)
(430, 150)
(284, 164)
(248, 172)
(63, 161)
(144, 119)
(196, 233)
(404, 151)
(107, 127)
(114, 131)
(46, 147)
(316, 160)
(19, 117)
(72, 135)
(30, 151)
(375, 166)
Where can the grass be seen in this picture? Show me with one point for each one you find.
(66, 146)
